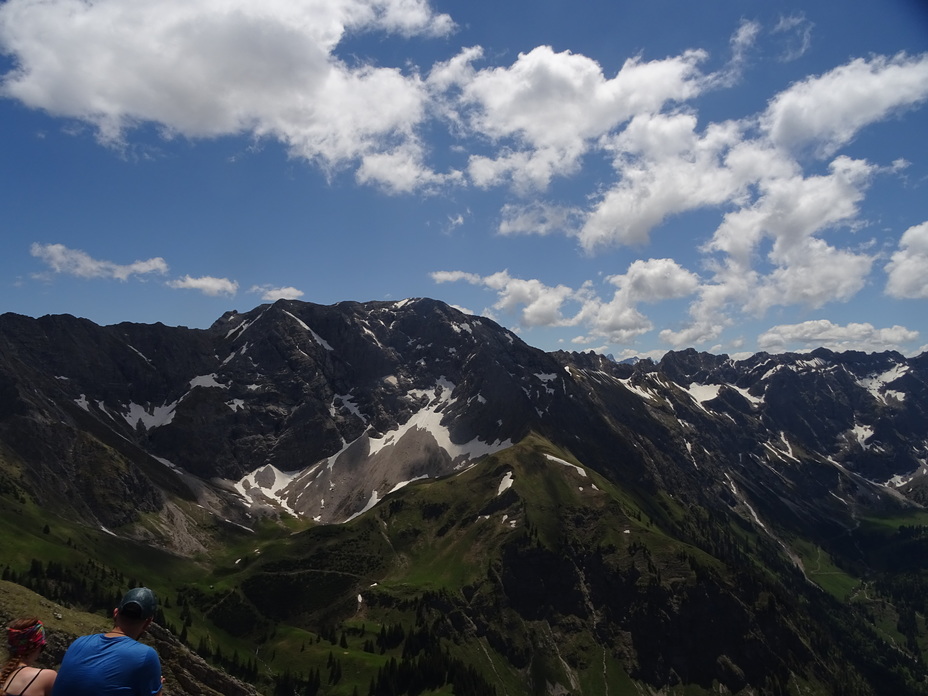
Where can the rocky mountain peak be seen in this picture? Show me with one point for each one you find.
(320, 411)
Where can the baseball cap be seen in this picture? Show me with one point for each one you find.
(138, 603)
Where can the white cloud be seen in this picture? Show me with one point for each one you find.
(536, 303)
(664, 168)
(743, 39)
(61, 259)
(546, 109)
(791, 211)
(204, 68)
(822, 332)
(271, 294)
(455, 276)
(538, 218)
(655, 280)
(617, 320)
(817, 274)
(117, 64)
(206, 284)
(796, 31)
(402, 170)
(827, 111)
(908, 267)
(531, 301)
(626, 353)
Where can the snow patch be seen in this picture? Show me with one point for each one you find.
(140, 354)
(900, 479)
(370, 503)
(151, 416)
(403, 484)
(780, 453)
(876, 383)
(207, 381)
(737, 494)
(505, 484)
(429, 420)
(703, 392)
(561, 461)
(627, 383)
(244, 325)
(316, 337)
(755, 400)
(814, 364)
(255, 486)
(862, 433)
(789, 447)
(169, 464)
(347, 402)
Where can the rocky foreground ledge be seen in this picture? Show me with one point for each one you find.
(185, 672)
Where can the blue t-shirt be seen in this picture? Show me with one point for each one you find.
(99, 666)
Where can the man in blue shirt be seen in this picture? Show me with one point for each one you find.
(115, 663)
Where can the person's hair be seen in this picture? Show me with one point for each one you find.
(13, 662)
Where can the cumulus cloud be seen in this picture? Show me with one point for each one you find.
(536, 304)
(908, 267)
(655, 280)
(785, 197)
(547, 108)
(208, 285)
(61, 259)
(822, 332)
(616, 319)
(791, 211)
(269, 293)
(402, 170)
(665, 168)
(827, 111)
(531, 301)
(204, 68)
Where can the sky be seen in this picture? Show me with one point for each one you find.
(733, 176)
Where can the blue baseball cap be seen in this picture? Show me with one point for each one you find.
(139, 603)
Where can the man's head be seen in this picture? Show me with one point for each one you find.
(138, 603)
(136, 611)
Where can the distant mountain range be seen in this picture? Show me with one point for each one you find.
(699, 522)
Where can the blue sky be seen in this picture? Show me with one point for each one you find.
(630, 178)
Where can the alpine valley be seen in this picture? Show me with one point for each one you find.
(399, 498)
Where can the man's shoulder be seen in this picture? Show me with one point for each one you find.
(83, 642)
(136, 648)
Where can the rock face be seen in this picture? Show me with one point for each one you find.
(322, 410)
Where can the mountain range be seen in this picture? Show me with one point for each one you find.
(558, 522)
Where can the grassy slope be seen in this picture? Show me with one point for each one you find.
(440, 554)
